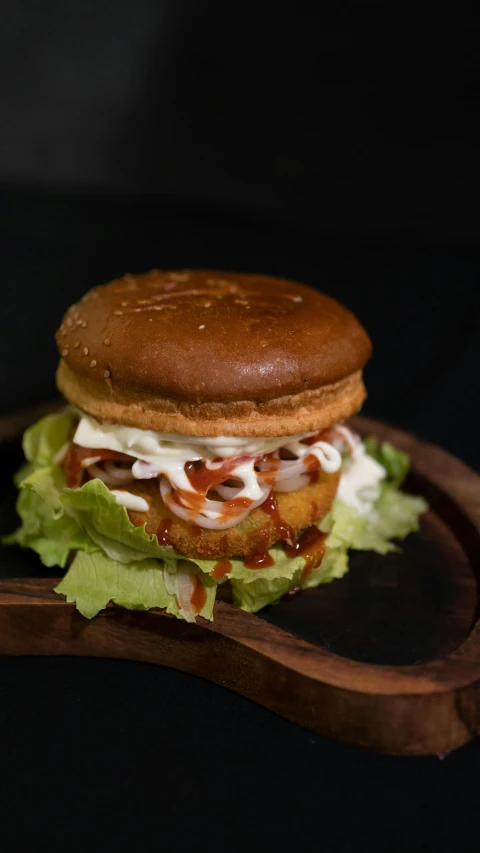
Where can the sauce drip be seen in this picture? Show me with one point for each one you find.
(195, 502)
(311, 546)
(202, 478)
(319, 436)
(162, 532)
(282, 529)
(311, 463)
(72, 462)
(199, 595)
(220, 569)
(261, 560)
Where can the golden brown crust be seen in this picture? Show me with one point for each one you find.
(257, 533)
(286, 415)
(202, 337)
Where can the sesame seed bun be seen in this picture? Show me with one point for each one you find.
(212, 353)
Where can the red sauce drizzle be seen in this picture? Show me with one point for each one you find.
(319, 436)
(199, 595)
(311, 546)
(282, 529)
(202, 478)
(222, 568)
(268, 476)
(195, 502)
(311, 463)
(259, 561)
(162, 532)
(75, 456)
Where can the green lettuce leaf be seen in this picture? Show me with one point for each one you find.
(395, 462)
(108, 524)
(52, 537)
(253, 596)
(91, 509)
(347, 528)
(257, 593)
(119, 562)
(94, 579)
(396, 514)
(43, 440)
(283, 567)
(333, 566)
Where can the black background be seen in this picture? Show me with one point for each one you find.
(338, 146)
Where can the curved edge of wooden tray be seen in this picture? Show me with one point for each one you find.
(423, 709)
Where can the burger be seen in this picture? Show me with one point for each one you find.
(205, 445)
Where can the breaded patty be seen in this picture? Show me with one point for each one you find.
(256, 533)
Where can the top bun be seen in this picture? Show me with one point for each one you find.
(212, 353)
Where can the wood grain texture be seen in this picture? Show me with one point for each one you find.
(422, 708)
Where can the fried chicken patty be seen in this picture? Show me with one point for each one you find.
(256, 533)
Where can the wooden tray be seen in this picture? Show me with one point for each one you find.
(387, 658)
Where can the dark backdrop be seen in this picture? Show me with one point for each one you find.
(334, 144)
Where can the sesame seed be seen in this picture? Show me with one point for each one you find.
(150, 319)
(106, 374)
(208, 304)
(76, 344)
(118, 313)
(107, 342)
(69, 321)
(65, 351)
(78, 322)
(93, 362)
(84, 324)
(63, 331)
(85, 350)
(297, 299)
(202, 326)
(124, 303)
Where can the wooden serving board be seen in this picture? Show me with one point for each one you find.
(387, 658)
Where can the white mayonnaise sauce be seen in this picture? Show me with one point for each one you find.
(166, 454)
(130, 501)
(361, 478)
(149, 445)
